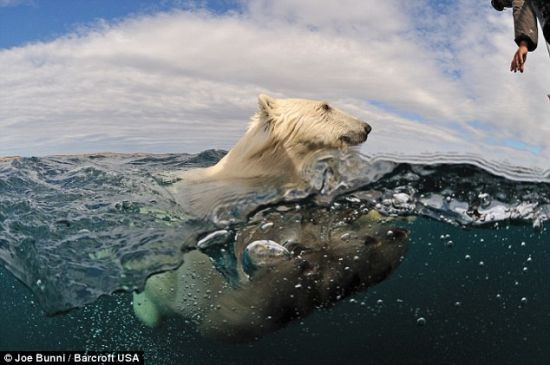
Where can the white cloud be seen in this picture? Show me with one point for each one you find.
(187, 80)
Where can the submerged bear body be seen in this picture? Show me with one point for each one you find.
(322, 257)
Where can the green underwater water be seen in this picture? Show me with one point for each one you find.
(484, 298)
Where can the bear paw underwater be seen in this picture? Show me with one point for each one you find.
(323, 257)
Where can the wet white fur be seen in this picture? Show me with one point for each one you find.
(281, 135)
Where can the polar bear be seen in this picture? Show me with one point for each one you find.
(298, 261)
(282, 138)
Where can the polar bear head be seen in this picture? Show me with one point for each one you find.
(308, 122)
(283, 136)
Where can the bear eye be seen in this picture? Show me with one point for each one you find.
(325, 107)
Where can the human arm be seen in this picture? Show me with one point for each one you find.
(520, 57)
(525, 24)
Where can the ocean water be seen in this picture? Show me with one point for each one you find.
(473, 286)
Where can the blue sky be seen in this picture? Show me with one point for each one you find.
(180, 76)
(23, 21)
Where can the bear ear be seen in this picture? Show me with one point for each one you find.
(266, 103)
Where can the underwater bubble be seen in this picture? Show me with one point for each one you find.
(402, 201)
(421, 321)
(214, 239)
(481, 263)
(402, 197)
(282, 208)
(379, 302)
(467, 257)
(485, 199)
(263, 253)
(523, 301)
(266, 226)
(353, 199)
(40, 285)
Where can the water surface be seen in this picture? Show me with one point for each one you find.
(473, 285)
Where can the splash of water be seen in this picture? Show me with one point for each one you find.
(458, 189)
(73, 228)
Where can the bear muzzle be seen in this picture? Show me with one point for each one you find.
(366, 130)
(353, 139)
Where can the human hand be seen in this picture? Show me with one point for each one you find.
(519, 59)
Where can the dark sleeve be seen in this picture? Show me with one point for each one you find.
(525, 24)
(506, 3)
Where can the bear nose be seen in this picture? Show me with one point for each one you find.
(367, 127)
